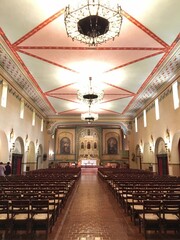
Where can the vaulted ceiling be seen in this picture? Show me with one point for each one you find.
(50, 68)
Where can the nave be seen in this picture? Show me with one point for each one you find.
(93, 214)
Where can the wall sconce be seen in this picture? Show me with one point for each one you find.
(12, 147)
(167, 135)
(151, 148)
(167, 141)
(166, 147)
(26, 143)
(168, 150)
(141, 146)
(26, 139)
(51, 153)
(11, 134)
(27, 149)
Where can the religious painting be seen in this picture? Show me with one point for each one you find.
(112, 145)
(65, 145)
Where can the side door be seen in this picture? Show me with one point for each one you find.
(16, 163)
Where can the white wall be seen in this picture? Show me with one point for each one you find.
(169, 119)
(10, 119)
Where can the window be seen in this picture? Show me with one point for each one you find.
(136, 127)
(42, 125)
(33, 118)
(22, 109)
(175, 95)
(157, 109)
(145, 119)
(4, 95)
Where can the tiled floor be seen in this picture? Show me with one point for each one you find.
(92, 213)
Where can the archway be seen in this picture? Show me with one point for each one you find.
(161, 157)
(4, 150)
(18, 156)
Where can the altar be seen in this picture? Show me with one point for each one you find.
(89, 162)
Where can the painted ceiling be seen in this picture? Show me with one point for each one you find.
(50, 68)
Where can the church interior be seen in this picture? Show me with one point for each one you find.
(89, 107)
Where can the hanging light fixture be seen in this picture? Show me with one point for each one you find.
(89, 116)
(90, 95)
(93, 21)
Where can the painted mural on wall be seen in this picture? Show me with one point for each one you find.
(112, 145)
(65, 145)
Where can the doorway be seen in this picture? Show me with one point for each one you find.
(162, 161)
(16, 163)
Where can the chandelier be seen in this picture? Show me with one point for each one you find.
(89, 116)
(93, 21)
(91, 94)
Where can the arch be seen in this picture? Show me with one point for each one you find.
(4, 150)
(18, 156)
(160, 146)
(161, 157)
(174, 167)
(175, 148)
(19, 146)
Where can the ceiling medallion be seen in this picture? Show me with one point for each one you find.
(93, 21)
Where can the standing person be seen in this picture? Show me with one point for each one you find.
(2, 169)
(7, 169)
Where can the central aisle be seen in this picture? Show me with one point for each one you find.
(93, 214)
